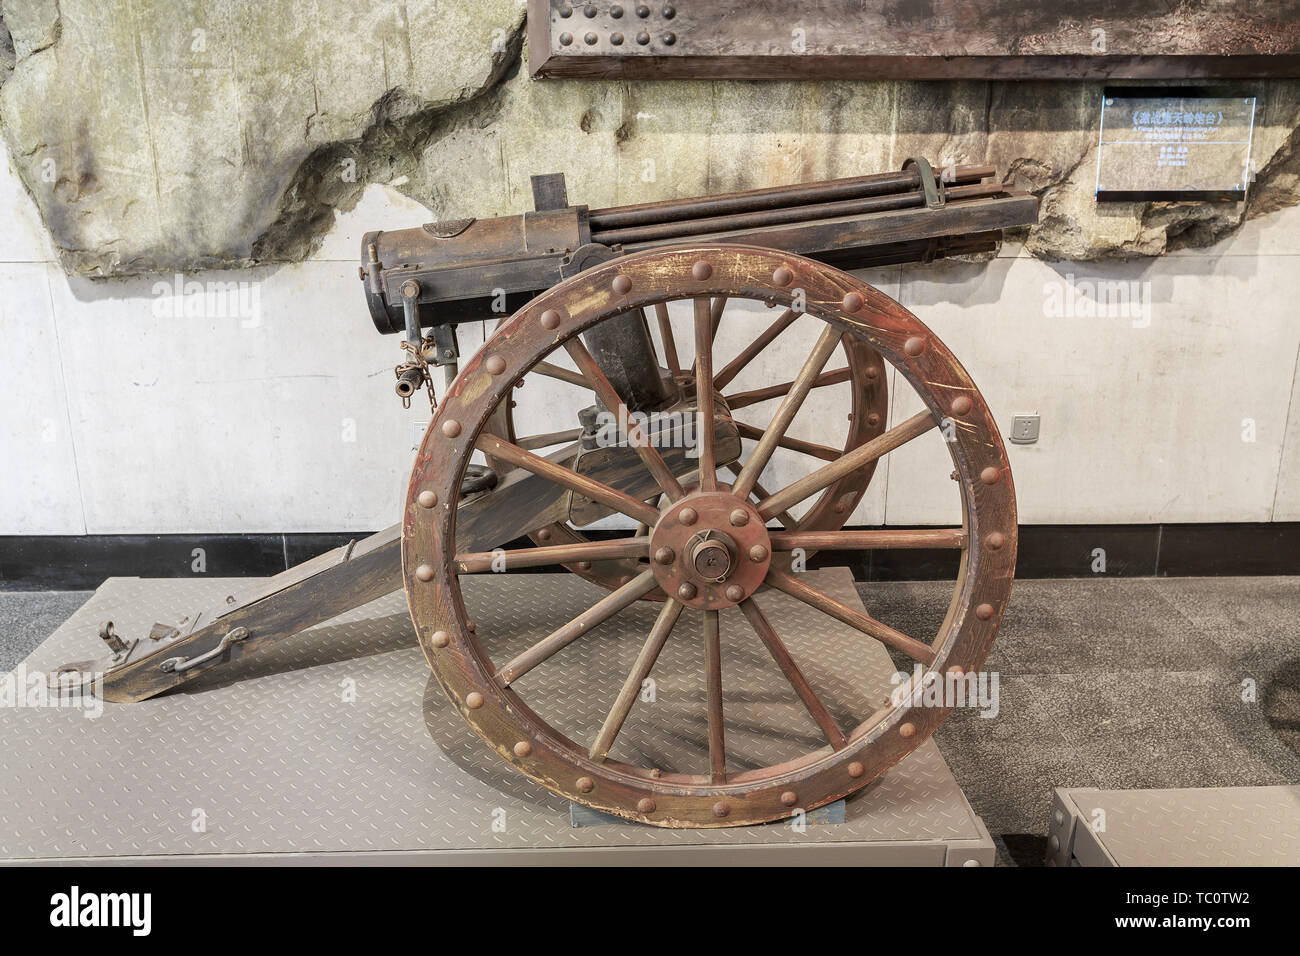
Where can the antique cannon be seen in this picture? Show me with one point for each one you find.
(654, 427)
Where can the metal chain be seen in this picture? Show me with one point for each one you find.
(420, 363)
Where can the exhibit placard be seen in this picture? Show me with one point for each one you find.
(1174, 146)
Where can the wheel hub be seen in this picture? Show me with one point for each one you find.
(713, 555)
(710, 550)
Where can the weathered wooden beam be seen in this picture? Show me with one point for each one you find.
(330, 584)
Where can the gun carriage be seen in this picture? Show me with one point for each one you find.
(624, 308)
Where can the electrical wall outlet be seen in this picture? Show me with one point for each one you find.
(1024, 429)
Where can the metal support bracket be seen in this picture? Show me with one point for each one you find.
(446, 350)
(935, 192)
(587, 257)
(120, 650)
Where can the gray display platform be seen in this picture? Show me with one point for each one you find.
(1212, 826)
(338, 746)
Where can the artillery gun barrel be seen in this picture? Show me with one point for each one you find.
(633, 237)
(774, 197)
(463, 270)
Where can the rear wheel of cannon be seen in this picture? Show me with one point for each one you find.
(707, 547)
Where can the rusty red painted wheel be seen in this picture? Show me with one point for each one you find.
(708, 546)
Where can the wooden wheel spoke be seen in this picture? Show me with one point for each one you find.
(776, 647)
(635, 509)
(563, 374)
(641, 527)
(713, 697)
(631, 688)
(636, 437)
(824, 452)
(715, 315)
(704, 394)
(599, 612)
(788, 521)
(850, 462)
(762, 453)
(747, 355)
(656, 502)
(476, 562)
(666, 336)
(869, 540)
(547, 439)
(865, 623)
(754, 396)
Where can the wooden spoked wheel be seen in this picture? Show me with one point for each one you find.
(862, 370)
(709, 545)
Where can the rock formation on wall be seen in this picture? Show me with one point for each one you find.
(163, 135)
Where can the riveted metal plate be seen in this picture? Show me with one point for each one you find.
(849, 39)
(337, 745)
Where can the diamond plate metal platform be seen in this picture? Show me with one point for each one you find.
(337, 745)
(1213, 826)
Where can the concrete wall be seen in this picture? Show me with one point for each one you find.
(124, 408)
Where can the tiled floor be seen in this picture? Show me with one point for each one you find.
(1152, 682)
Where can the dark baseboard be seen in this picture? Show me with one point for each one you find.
(1118, 551)
(1046, 551)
